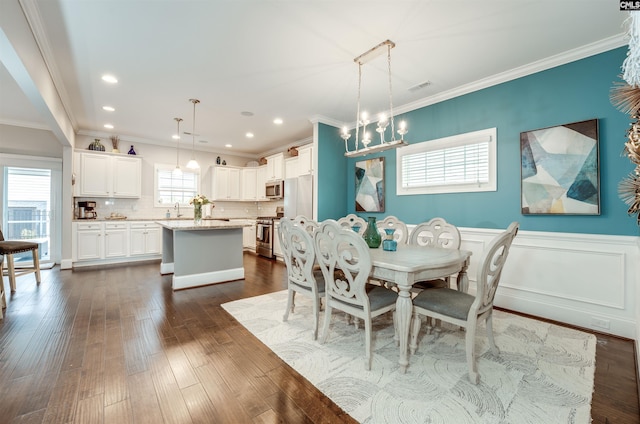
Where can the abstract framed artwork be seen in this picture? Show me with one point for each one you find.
(560, 172)
(370, 185)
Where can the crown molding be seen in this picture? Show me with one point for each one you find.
(519, 72)
(34, 18)
(321, 119)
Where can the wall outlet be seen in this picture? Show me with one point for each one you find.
(600, 323)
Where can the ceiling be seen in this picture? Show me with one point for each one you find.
(288, 59)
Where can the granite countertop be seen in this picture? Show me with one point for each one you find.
(208, 224)
(104, 219)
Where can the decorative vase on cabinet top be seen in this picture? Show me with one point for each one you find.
(371, 234)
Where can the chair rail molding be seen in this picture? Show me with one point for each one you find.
(587, 280)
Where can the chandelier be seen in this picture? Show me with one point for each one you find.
(363, 140)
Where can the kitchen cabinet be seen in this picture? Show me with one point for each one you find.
(108, 175)
(305, 160)
(277, 249)
(291, 168)
(98, 243)
(116, 238)
(261, 181)
(97, 240)
(249, 184)
(88, 241)
(275, 167)
(146, 239)
(249, 236)
(225, 183)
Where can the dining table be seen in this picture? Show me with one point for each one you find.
(409, 264)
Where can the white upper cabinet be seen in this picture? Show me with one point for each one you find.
(261, 181)
(127, 172)
(225, 183)
(249, 184)
(305, 159)
(291, 168)
(104, 175)
(275, 167)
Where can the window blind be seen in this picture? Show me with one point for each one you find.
(466, 164)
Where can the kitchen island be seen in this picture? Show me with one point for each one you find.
(202, 254)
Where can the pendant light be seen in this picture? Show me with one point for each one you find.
(192, 164)
(177, 171)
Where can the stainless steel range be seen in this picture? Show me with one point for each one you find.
(264, 236)
(265, 233)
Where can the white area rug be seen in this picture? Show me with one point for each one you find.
(544, 373)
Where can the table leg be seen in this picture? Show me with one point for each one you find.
(404, 309)
(463, 279)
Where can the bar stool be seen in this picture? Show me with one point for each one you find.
(9, 248)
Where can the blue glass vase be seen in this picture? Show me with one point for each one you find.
(389, 243)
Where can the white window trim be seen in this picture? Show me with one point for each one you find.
(164, 167)
(446, 142)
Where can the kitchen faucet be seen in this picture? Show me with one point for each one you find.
(177, 206)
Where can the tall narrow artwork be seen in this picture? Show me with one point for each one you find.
(370, 185)
(560, 170)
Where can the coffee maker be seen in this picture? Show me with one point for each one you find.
(87, 210)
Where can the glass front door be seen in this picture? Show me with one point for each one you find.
(27, 206)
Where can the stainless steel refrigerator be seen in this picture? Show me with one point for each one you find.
(298, 196)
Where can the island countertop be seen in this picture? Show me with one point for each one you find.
(206, 224)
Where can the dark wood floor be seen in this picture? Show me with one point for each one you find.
(117, 345)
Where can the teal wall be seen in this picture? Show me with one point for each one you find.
(573, 92)
(331, 174)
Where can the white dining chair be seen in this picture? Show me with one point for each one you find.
(299, 256)
(401, 233)
(307, 223)
(466, 310)
(435, 233)
(352, 220)
(342, 249)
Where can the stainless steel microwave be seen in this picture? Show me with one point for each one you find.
(275, 189)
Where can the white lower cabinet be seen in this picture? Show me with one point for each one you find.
(277, 249)
(111, 242)
(89, 241)
(145, 239)
(249, 236)
(116, 239)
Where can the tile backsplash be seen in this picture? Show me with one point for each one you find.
(144, 208)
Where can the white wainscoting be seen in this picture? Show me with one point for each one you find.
(587, 280)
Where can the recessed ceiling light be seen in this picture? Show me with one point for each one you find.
(277, 121)
(110, 79)
(246, 113)
(228, 146)
(176, 137)
(249, 135)
(108, 126)
(108, 108)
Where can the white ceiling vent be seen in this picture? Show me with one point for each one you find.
(419, 86)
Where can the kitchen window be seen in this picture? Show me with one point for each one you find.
(456, 164)
(171, 189)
